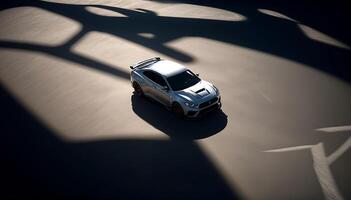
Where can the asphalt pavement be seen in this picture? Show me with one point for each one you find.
(72, 128)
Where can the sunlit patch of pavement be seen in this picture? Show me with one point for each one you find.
(269, 100)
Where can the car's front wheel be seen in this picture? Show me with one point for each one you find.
(177, 109)
(137, 89)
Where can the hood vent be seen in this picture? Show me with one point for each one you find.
(200, 90)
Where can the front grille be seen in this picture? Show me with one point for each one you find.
(209, 109)
(207, 103)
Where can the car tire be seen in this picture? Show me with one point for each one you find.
(177, 109)
(137, 90)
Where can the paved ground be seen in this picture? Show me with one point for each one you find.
(71, 127)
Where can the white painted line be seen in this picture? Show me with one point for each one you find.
(265, 96)
(321, 162)
(337, 153)
(323, 172)
(289, 149)
(335, 129)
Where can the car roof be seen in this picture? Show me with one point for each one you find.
(167, 68)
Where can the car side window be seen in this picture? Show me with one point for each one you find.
(148, 74)
(159, 80)
(155, 78)
(151, 75)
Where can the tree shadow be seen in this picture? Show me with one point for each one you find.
(176, 128)
(261, 32)
(38, 165)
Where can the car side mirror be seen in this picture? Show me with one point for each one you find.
(197, 74)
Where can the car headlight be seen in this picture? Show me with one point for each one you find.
(189, 104)
(216, 89)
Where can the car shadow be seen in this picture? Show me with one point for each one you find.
(175, 127)
(39, 165)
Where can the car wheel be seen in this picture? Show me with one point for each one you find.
(137, 89)
(178, 110)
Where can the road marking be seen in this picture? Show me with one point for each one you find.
(265, 96)
(342, 149)
(335, 129)
(289, 149)
(321, 162)
(322, 168)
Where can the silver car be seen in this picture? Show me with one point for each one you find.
(174, 86)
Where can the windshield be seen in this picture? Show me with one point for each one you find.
(183, 80)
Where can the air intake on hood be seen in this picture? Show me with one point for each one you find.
(200, 90)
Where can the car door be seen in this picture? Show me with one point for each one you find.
(155, 88)
(162, 90)
(148, 87)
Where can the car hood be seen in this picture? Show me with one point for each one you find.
(201, 91)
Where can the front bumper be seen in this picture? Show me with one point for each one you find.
(194, 113)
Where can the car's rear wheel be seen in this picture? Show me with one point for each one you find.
(177, 109)
(137, 89)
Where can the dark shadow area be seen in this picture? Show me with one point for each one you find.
(38, 165)
(260, 32)
(325, 16)
(63, 52)
(176, 128)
